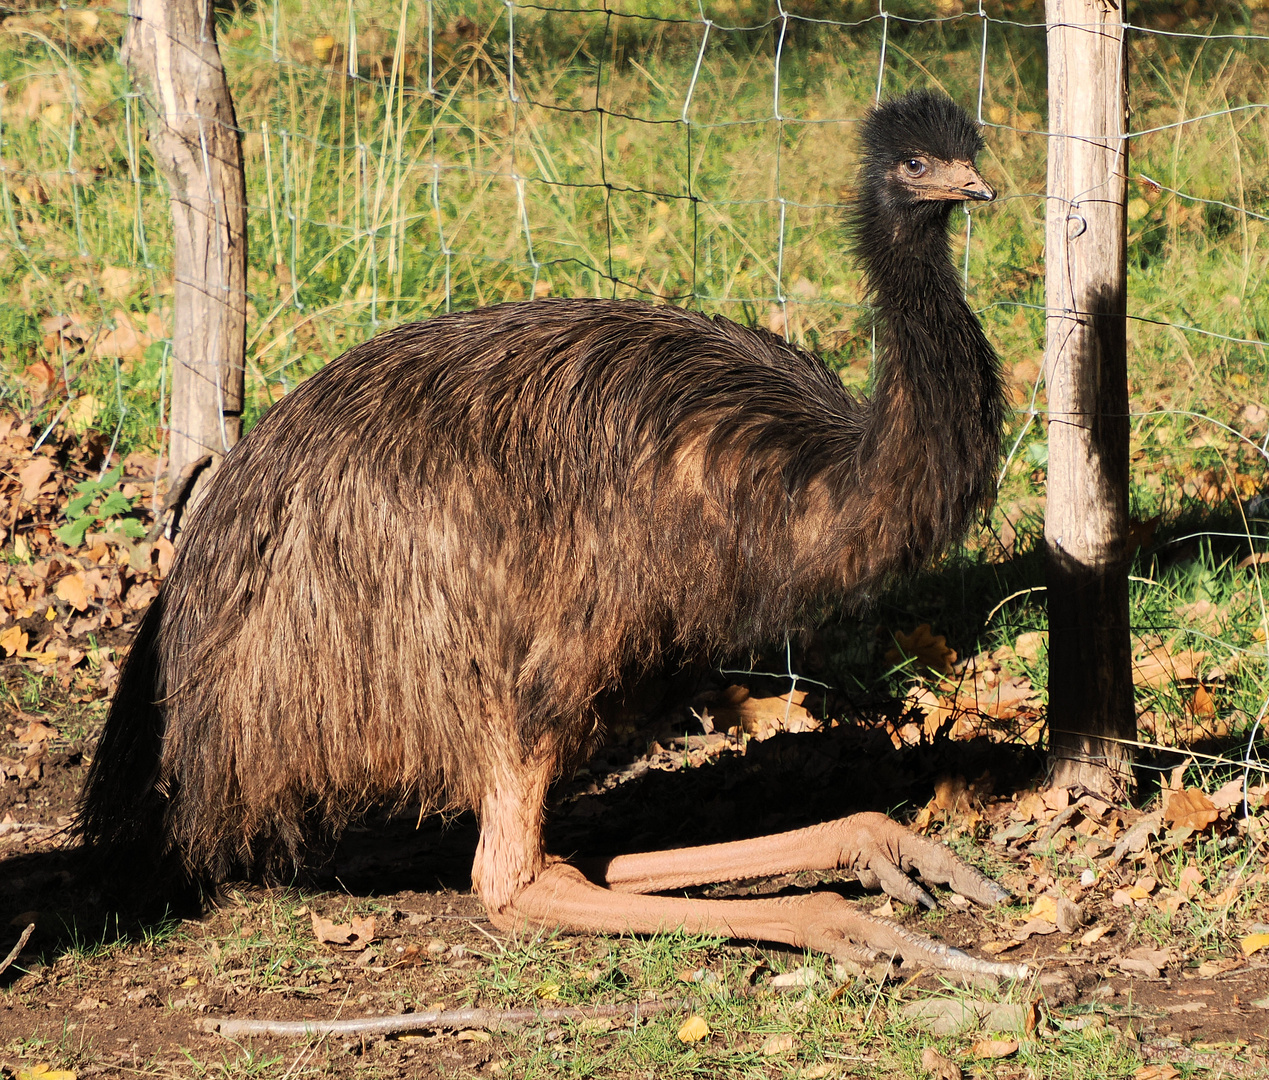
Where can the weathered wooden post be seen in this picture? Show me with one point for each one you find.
(170, 50)
(1091, 708)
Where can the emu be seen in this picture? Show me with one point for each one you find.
(416, 576)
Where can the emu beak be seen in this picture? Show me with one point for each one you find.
(963, 182)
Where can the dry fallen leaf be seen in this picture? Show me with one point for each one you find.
(761, 718)
(1028, 645)
(71, 589)
(1156, 1072)
(1159, 665)
(1045, 907)
(41, 1071)
(1190, 882)
(1229, 794)
(925, 646)
(1210, 968)
(1253, 943)
(32, 476)
(777, 1044)
(1070, 916)
(1202, 704)
(13, 640)
(360, 931)
(35, 732)
(940, 1067)
(796, 979)
(1035, 926)
(1094, 935)
(1190, 809)
(694, 1029)
(995, 1048)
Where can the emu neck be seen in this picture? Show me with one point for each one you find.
(930, 445)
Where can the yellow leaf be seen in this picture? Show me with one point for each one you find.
(995, 1048)
(13, 640)
(41, 1071)
(1254, 943)
(323, 45)
(1045, 908)
(547, 991)
(82, 414)
(192, 981)
(116, 281)
(71, 589)
(694, 1029)
(1094, 935)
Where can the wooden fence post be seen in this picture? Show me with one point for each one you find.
(1091, 707)
(170, 50)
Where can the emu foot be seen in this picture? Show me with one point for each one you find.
(882, 854)
(852, 935)
(564, 898)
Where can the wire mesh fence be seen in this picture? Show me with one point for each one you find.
(410, 158)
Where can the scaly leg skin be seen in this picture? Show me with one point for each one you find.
(880, 852)
(522, 888)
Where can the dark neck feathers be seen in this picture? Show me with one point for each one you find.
(929, 451)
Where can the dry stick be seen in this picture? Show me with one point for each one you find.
(13, 953)
(177, 496)
(491, 1019)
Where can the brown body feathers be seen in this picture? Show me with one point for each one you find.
(436, 553)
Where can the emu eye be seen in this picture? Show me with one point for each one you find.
(914, 167)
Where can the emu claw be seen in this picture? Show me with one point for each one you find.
(854, 936)
(881, 853)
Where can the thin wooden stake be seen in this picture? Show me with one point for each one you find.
(1091, 711)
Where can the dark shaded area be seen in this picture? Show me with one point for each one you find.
(1091, 702)
(785, 782)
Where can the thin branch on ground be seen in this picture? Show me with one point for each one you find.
(490, 1019)
(13, 953)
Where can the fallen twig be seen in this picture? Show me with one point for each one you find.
(182, 488)
(22, 940)
(490, 1019)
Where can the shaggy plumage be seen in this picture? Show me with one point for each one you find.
(425, 564)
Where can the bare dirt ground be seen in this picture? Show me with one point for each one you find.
(100, 997)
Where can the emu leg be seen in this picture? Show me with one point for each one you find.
(880, 852)
(522, 888)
